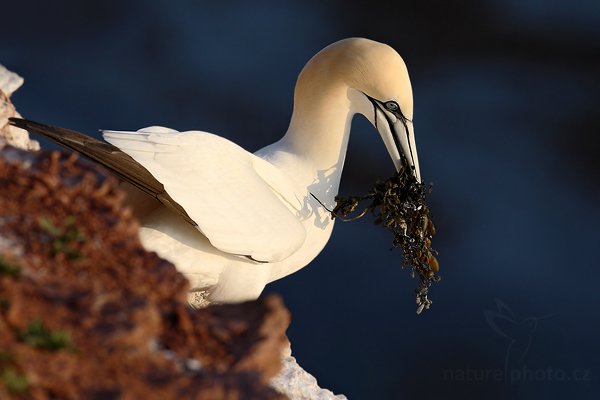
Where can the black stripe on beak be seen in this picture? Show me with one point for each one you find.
(378, 104)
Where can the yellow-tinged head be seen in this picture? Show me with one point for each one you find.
(379, 76)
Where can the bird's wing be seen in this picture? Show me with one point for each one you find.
(110, 157)
(231, 194)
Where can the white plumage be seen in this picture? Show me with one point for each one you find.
(227, 191)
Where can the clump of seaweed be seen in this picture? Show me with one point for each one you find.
(398, 203)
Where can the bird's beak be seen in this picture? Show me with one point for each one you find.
(399, 138)
(409, 147)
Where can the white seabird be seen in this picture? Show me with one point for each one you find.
(232, 221)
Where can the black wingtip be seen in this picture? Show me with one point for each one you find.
(18, 122)
(23, 123)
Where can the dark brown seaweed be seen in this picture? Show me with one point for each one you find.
(398, 203)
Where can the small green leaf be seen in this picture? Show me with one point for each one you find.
(37, 335)
(63, 236)
(48, 226)
(14, 382)
(9, 269)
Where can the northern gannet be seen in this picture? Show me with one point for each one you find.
(232, 221)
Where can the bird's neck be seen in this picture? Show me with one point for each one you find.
(320, 127)
(317, 139)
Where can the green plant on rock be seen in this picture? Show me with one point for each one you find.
(9, 269)
(37, 335)
(14, 382)
(64, 236)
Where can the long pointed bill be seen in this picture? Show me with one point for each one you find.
(406, 132)
(398, 137)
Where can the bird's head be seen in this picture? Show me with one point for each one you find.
(379, 88)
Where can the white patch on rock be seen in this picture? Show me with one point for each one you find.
(9, 83)
(298, 384)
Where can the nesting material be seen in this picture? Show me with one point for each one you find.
(398, 203)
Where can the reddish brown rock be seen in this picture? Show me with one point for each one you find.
(86, 312)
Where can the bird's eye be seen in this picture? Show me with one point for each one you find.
(392, 106)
